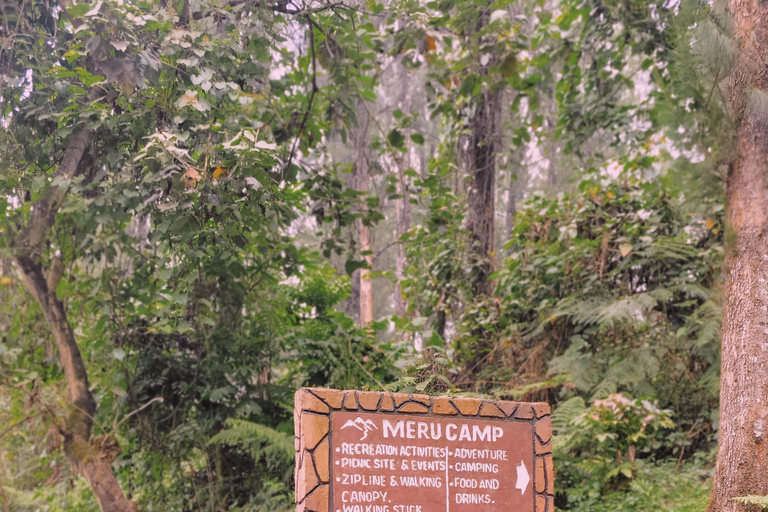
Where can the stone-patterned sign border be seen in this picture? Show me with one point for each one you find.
(313, 407)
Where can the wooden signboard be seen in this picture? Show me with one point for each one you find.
(389, 452)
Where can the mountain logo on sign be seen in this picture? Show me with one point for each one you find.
(362, 425)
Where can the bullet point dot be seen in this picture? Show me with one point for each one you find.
(337, 463)
(338, 450)
(338, 479)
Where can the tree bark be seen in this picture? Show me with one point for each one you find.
(90, 456)
(403, 224)
(552, 157)
(352, 308)
(551, 145)
(742, 459)
(403, 203)
(511, 198)
(480, 161)
(362, 177)
(366, 284)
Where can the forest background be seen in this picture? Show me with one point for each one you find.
(211, 203)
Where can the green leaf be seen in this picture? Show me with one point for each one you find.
(78, 10)
(351, 265)
(435, 341)
(219, 394)
(395, 137)
(417, 138)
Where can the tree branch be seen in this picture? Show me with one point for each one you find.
(26, 252)
(311, 94)
(20, 422)
(44, 210)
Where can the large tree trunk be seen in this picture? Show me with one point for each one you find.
(90, 456)
(742, 459)
(479, 160)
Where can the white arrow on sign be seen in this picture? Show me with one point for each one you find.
(522, 478)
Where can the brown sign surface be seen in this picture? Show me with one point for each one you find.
(405, 463)
(389, 452)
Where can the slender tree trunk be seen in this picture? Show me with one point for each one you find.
(90, 456)
(402, 204)
(366, 283)
(551, 142)
(353, 303)
(742, 459)
(362, 178)
(511, 200)
(552, 161)
(403, 224)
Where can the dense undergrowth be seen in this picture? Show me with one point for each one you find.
(607, 306)
(209, 254)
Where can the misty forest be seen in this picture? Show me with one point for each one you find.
(209, 204)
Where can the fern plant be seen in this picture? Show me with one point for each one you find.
(615, 286)
(271, 449)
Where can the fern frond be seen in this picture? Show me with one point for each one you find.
(258, 440)
(693, 290)
(591, 467)
(701, 331)
(668, 249)
(637, 367)
(710, 381)
(566, 412)
(518, 392)
(580, 366)
(716, 48)
(662, 294)
(628, 309)
(606, 387)
(709, 331)
(591, 310)
(753, 500)
(274, 496)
